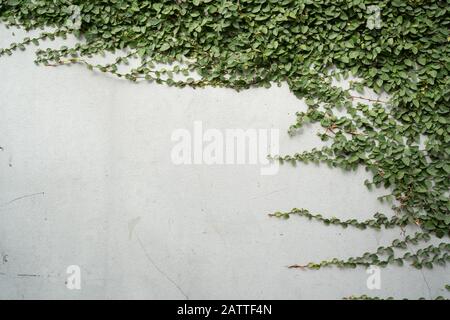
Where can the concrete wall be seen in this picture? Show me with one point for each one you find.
(86, 179)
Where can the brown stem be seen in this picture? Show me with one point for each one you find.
(368, 99)
(297, 266)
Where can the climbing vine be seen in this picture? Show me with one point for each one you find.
(403, 50)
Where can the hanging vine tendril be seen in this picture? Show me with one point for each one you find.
(403, 50)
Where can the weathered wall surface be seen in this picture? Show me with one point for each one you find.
(86, 179)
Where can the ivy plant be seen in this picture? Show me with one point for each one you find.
(403, 141)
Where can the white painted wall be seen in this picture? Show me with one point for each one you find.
(86, 179)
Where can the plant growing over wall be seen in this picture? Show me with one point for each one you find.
(400, 47)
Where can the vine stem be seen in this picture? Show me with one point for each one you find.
(368, 99)
(297, 266)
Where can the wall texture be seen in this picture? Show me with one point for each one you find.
(86, 179)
